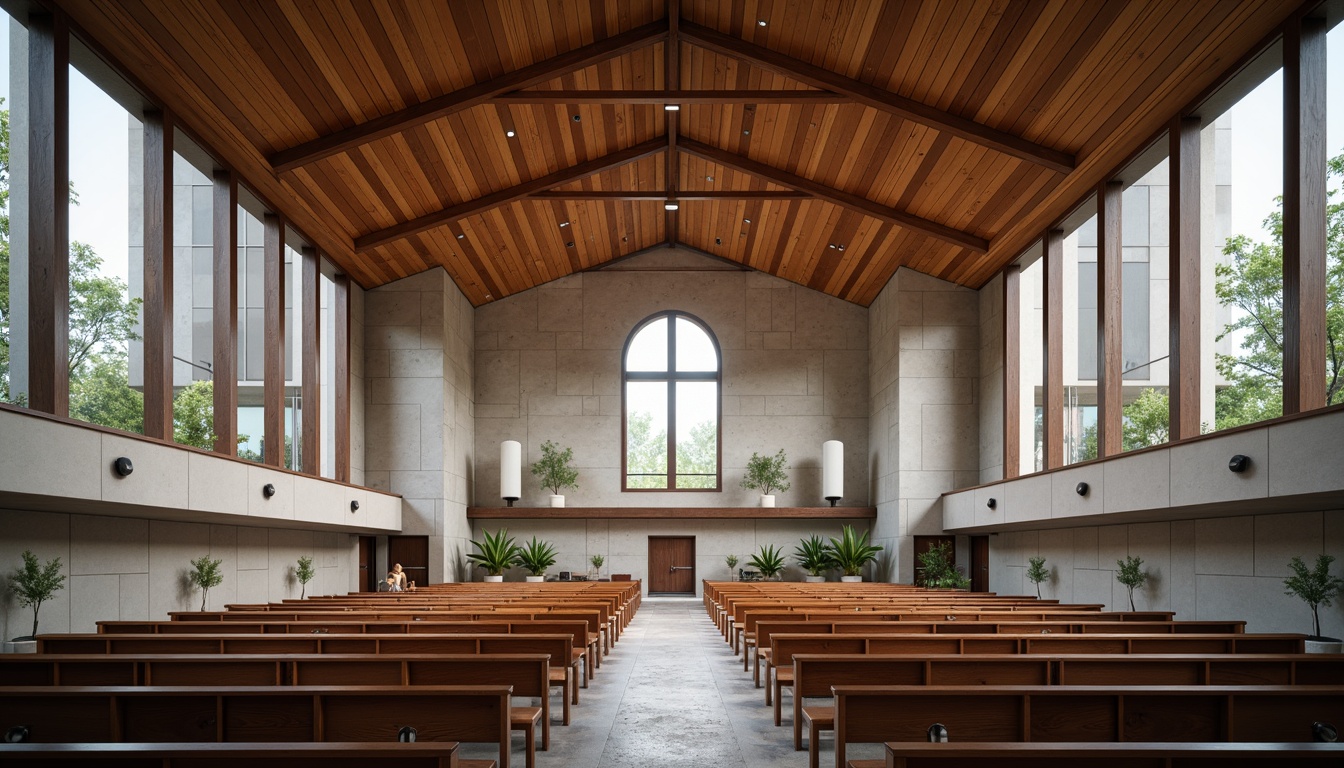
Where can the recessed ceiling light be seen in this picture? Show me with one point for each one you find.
(746, 221)
(577, 118)
(746, 132)
(672, 107)
(831, 246)
(460, 236)
(718, 241)
(670, 206)
(564, 223)
(760, 22)
(709, 178)
(510, 134)
(840, 247)
(570, 244)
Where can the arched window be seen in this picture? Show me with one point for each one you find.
(671, 374)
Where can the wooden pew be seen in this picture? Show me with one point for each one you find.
(1032, 713)
(332, 754)
(1131, 755)
(81, 714)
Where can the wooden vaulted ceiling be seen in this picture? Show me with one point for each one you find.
(825, 142)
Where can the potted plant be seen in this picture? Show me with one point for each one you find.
(814, 557)
(1315, 587)
(205, 573)
(731, 560)
(1132, 575)
(497, 554)
(766, 474)
(936, 571)
(769, 561)
(536, 557)
(554, 471)
(35, 585)
(851, 552)
(597, 561)
(304, 573)
(1037, 573)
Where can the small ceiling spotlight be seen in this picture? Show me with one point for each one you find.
(268, 490)
(746, 131)
(672, 107)
(709, 178)
(577, 118)
(992, 503)
(564, 224)
(570, 244)
(510, 134)
(831, 246)
(123, 466)
(746, 221)
(840, 247)
(760, 22)
(670, 205)
(461, 236)
(1081, 489)
(718, 241)
(1239, 463)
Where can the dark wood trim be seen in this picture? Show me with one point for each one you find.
(681, 195)
(311, 382)
(671, 513)
(1110, 325)
(1184, 271)
(1304, 207)
(505, 196)
(225, 292)
(273, 389)
(674, 96)
(341, 401)
(468, 97)
(157, 311)
(1012, 370)
(835, 196)
(48, 214)
(877, 98)
(1053, 402)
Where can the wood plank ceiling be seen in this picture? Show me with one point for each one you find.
(513, 142)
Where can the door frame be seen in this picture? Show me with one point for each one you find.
(692, 590)
(979, 546)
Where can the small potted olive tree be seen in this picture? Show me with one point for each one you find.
(304, 573)
(766, 474)
(731, 561)
(497, 554)
(852, 552)
(536, 557)
(204, 574)
(1037, 573)
(34, 585)
(769, 561)
(1316, 587)
(597, 561)
(814, 557)
(554, 472)
(1132, 575)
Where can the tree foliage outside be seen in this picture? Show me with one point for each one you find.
(204, 574)
(1145, 422)
(1132, 575)
(646, 454)
(304, 573)
(1315, 586)
(1037, 573)
(34, 584)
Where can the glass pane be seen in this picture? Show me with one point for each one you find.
(1244, 316)
(646, 434)
(1334, 249)
(1031, 391)
(13, 387)
(1144, 300)
(648, 350)
(1081, 344)
(250, 427)
(697, 433)
(193, 302)
(250, 334)
(106, 273)
(328, 367)
(293, 428)
(695, 350)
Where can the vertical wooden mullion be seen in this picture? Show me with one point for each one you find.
(273, 390)
(671, 402)
(1304, 147)
(1053, 404)
(1012, 371)
(48, 214)
(1110, 357)
(341, 380)
(158, 285)
(312, 393)
(1184, 271)
(225, 293)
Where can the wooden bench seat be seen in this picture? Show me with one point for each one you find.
(1131, 755)
(333, 754)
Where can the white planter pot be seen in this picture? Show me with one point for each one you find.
(851, 579)
(494, 579)
(1320, 646)
(815, 579)
(557, 501)
(536, 579)
(768, 501)
(19, 646)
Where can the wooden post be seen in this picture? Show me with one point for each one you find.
(311, 450)
(225, 279)
(1110, 352)
(158, 287)
(1184, 317)
(1053, 405)
(273, 390)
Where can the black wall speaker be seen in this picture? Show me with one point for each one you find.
(354, 507)
(123, 466)
(1239, 463)
(1081, 489)
(992, 503)
(268, 490)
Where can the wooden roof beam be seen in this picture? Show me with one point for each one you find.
(877, 98)
(466, 98)
(746, 96)
(505, 196)
(660, 196)
(838, 197)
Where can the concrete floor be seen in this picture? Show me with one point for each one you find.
(671, 694)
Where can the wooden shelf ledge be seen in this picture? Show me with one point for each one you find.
(671, 513)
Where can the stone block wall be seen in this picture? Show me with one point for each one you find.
(418, 415)
(795, 374)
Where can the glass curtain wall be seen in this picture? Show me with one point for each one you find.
(1145, 293)
(251, 328)
(327, 367)
(193, 296)
(13, 292)
(1334, 244)
(294, 350)
(1080, 337)
(1031, 388)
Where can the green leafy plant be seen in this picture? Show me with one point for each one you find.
(766, 473)
(1316, 587)
(731, 560)
(769, 561)
(304, 573)
(1037, 573)
(497, 554)
(35, 585)
(597, 561)
(851, 552)
(205, 573)
(1132, 575)
(813, 555)
(537, 556)
(935, 569)
(553, 469)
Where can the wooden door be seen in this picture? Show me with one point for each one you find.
(925, 543)
(413, 554)
(367, 572)
(979, 563)
(672, 565)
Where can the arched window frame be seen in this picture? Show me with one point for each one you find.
(672, 376)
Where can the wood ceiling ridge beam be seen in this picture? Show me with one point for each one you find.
(682, 195)
(878, 98)
(508, 195)
(835, 196)
(727, 96)
(468, 97)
